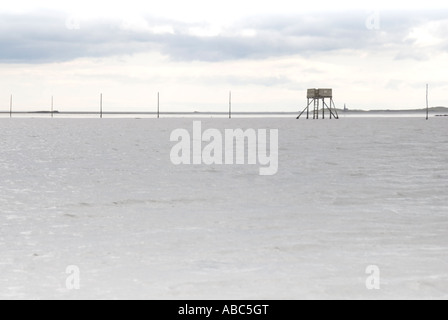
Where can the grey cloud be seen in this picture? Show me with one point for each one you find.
(52, 37)
(268, 81)
(48, 38)
(394, 84)
(412, 54)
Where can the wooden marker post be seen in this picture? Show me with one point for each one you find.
(427, 103)
(230, 105)
(101, 106)
(10, 107)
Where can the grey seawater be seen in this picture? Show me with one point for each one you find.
(103, 195)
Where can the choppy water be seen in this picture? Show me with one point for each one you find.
(103, 195)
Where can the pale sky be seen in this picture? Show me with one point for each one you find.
(375, 55)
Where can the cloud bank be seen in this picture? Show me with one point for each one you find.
(47, 37)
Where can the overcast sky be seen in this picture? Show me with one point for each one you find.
(374, 55)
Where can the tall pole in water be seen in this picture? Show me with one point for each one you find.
(230, 105)
(52, 106)
(158, 105)
(10, 107)
(427, 104)
(101, 105)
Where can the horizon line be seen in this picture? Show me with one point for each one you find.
(208, 112)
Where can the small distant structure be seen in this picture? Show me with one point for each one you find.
(314, 99)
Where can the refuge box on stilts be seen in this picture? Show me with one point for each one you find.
(314, 99)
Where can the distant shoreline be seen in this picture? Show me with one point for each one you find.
(434, 111)
(340, 111)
